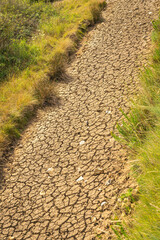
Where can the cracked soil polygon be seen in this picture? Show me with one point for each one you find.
(41, 197)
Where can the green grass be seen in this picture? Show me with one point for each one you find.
(141, 133)
(19, 20)
(36, 40)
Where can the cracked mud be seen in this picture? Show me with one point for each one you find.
(67, 172)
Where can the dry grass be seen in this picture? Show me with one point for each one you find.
(54, 39)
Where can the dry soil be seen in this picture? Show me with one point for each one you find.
(67, 172)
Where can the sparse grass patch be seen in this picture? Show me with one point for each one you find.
(141, 132)
(36, 40)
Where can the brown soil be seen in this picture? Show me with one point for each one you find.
(67, 164)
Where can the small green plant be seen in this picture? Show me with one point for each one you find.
(99, 236)
(119, 230)
(128, 195)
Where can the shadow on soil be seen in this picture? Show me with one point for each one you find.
(54, 101)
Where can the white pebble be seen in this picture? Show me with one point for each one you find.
(82, 142)
(42, 193)
(108, 112)
(80, 179)
(108, 182)
(103, 203)
(50, 169)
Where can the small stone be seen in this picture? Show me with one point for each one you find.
(94, 219)
(150, 13)
(103, 203)
(108, 182)
(108, 112)
(50, 170)
(42, 193)
(82, 142)
(98, 171)
(80, 179)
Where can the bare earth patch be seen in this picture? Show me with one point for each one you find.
(67, 172)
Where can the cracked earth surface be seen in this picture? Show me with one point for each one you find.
(41, 197)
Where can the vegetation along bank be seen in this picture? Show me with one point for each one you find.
(37, 38)
(141, 134)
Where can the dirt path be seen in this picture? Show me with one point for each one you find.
(53, 189)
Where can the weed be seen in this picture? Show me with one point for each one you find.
(99, 236)
(128, 195)
(119, 230)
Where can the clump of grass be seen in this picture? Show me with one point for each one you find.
(33, 51)
(147, 214)
(19, 20)
(141, 132)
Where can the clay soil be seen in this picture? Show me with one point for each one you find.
(67, 172)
